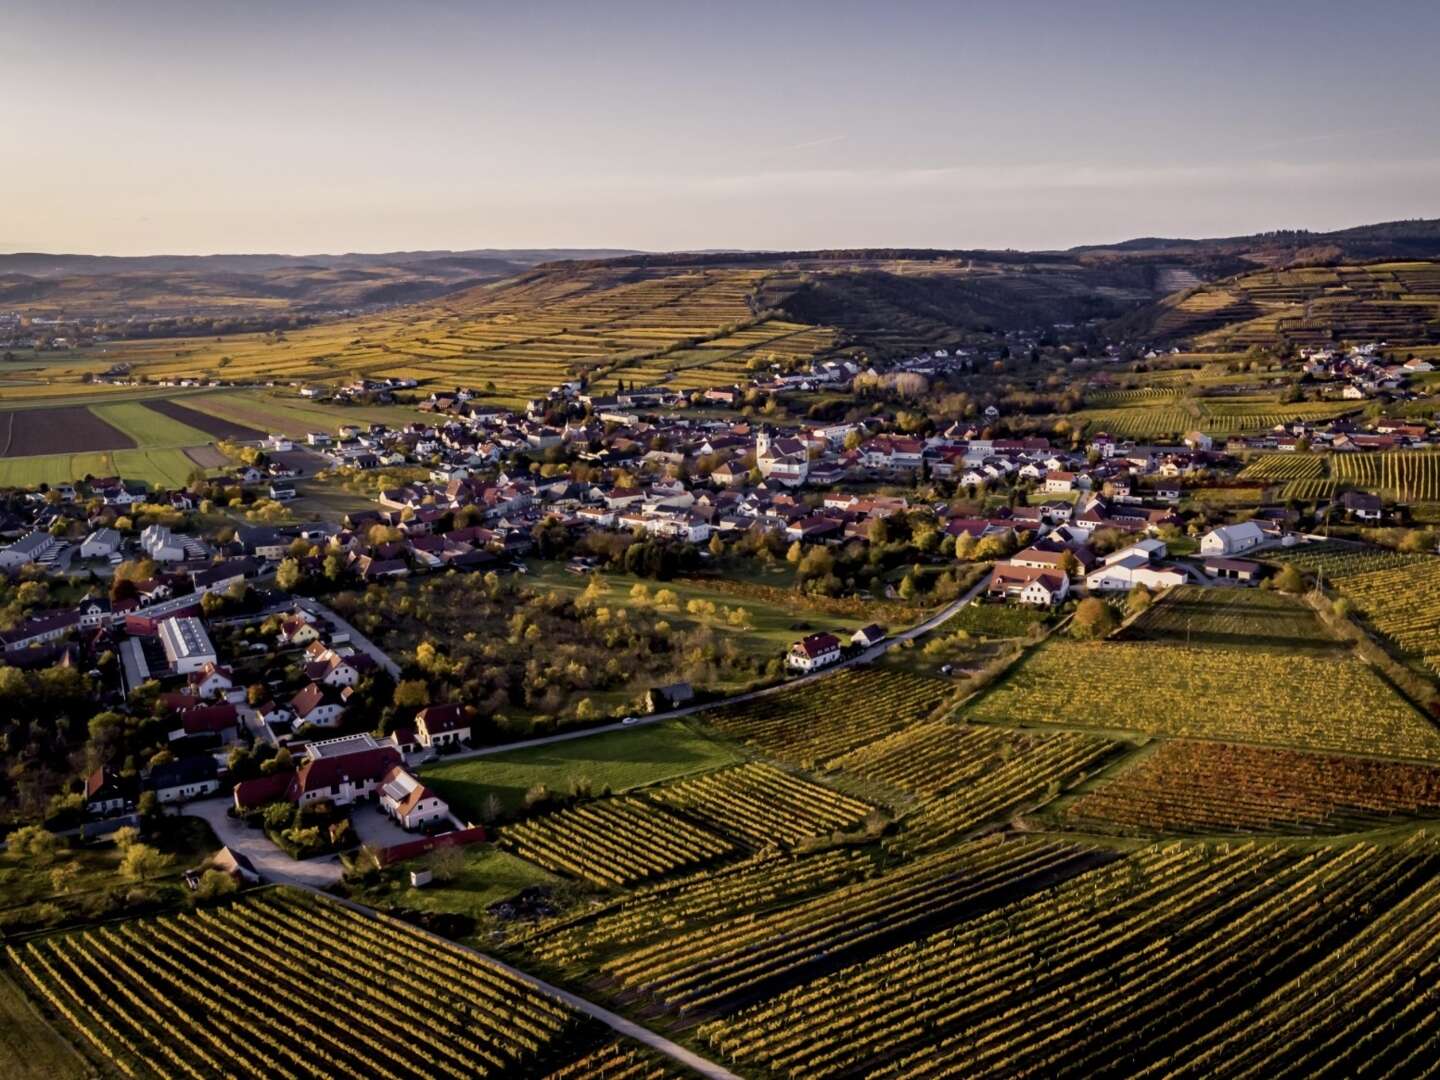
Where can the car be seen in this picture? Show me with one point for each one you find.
(630, 720)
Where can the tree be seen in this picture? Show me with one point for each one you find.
(288, 575)
(214, 884)
(35, 843)
(126, 837)
(1093, 619)
(795, 554)
(412, 693)
(907, 587)
(334, 567)
(446, 863)
(1138, 600)
(141, 862)
(1290, 579)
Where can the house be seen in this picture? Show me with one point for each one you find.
(341, 770)
(1041, 587)
(406, 799)
(107, 792)
(187, 646)
(1232, 539)
(814, 652)
(183, 779)
(441, 725)
(868, 636)
(319, 705)
(160, 544)
(1362, 505)
(100, 544)
(282, 490)
(214, 723)
(211, 680)
(297, 630)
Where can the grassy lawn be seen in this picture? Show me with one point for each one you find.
(30, 1049)
(489, 875)
(619, 760)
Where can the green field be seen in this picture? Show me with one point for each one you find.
(147, 427)
(620, 760)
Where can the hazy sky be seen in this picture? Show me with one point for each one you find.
(188, 127)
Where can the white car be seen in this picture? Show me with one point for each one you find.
(630, 720)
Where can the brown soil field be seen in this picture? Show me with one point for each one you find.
(63, 430)
(207, 457)
(214, 426)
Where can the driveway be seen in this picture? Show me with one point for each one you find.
(376, 827)
(270, 862)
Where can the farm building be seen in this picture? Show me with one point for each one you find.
(187, 645)
(1232, 539)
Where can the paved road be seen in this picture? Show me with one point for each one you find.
(868, 656)
(270, 862)
(359, 640)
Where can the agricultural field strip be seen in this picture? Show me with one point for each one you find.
(1298, 700)
(759, 804)
(1117, 969)
(1403, 603)
(614, 841)
(1238, 617)
(1403, 474)
(1206, 787)
(148, 427)
(707, 967)
(857, 706)
(138, 995)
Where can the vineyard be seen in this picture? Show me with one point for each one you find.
(614, 842)
(1241, 618)
(736, 959)
(1284, 467)
(1410, 475)
(1336, 559)
(1180, 958)
(1206, 787)
(812, 724)
(1299, 700)
(759, 804)
(196, 995)
(1403, 603)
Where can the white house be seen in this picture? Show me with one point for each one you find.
(441, 725)
(161, 545)
(184, 779)
(409, 801)
(1232, 539)
(814, 652)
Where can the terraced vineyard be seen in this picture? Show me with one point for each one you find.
(195, 994)
(1208, 787)
(518, 338)
(759, 804)
(857, 706)
(614, 842)
(1180, 959)
(1304, 701)
(732, 960)
(1307, 490)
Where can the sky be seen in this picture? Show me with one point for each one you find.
(162, 126)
